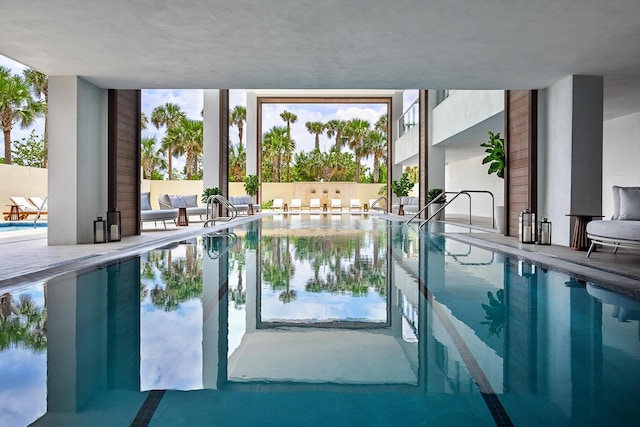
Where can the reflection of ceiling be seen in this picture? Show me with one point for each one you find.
(320, 356)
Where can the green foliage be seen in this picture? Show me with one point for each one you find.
(267, 205)
(402, 186)
(495, 154)
(29, 151)
(251, 184)
(433, 193)
(157, 175)
(382, 191)
(494, 313)
(208, 192)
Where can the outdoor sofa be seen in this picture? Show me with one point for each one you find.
(241, 203)
(154, 215)
(623, 230)
(409, 205)
(190, 202)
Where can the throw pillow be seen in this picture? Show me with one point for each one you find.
(191, 200)
(629, 204)
(164, 201)
(145, 201)
(177, 202)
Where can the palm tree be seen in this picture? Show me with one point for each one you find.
(186, 139)
(150, 158)
(17, 106)
(40, 87)
(356, 131)
(336, 127)
(237, 161)
(168, 115)
(316, 128)
(275, 143)
(144, 121)
(381, 124)
(289, 118)
(289, 149)
(376, 145)
(237, 117)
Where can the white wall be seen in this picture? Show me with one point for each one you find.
(620, 157)
(211, 137)
(471, 174)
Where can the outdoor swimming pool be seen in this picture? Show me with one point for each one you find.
(20, 226)
(318, 320)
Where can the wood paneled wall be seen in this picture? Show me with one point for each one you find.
(521, 137)
(124, 157)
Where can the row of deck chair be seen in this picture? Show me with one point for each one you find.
(314, 204)
(23, 208)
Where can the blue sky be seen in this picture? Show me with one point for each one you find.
(191, 101)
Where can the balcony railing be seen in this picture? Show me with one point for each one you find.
(409, 119)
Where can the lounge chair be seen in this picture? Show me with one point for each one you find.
(147, 214)
(39, 203)
(314, 204)
(21, 209)
(277, 204)
(295, 204)
(354, 205)
(336, 204)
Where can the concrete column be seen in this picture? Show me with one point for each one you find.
(211, 138)
(395, 170)
(251, 134)
(572, 160)
(435, 154)
(77, 159)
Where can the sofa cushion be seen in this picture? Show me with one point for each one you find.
(629, 204)
(616, 199)
(623, 230)
(177, 202)
(245, 200)
(145, 201)
(164, 201)
(191, 200)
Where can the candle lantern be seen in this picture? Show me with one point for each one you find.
(99, 230)
(114, 225)
(526, 227)
(544, 232)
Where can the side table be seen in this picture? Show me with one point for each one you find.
(14, 213)
(183, 219)
(579, 240)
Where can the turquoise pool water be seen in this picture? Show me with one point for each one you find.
(19, 226)
(318, 320)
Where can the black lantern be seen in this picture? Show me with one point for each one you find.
(544, 232)
(114, 225)
(527, 227)
(99, 230)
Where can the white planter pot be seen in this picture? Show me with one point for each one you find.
(433, 208)
(500, 219)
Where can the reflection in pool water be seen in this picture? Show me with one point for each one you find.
(357, 321)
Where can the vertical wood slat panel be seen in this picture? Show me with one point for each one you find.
(521, 155)
(124, 157)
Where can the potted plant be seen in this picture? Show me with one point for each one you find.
(437, 205)
(251, 186)
(401, 189)
(208, 192)
(494, 148)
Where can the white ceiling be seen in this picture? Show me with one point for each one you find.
(338, 44)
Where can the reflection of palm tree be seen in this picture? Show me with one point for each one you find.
(494, 313)
(23, 324)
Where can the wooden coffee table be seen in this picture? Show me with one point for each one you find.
(183, 219)
(579, 240)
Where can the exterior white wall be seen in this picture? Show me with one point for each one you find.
(620, 157)
(464, 109)
(211, 137)
(471, 174)
(77, 159)
(405, 149)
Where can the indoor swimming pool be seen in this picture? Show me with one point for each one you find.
(316, 320)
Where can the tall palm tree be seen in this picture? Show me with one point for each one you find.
(289, 118)
(376, 145)
(316, 128)
(381, 124)
(237, 117)
(39, 83)
(237, 161)
(17, 106)
(275, 142)
(150, 158)
(168, 115)
(144, 121)
(289, 149)
(186, 140)
(356, 131)
(336, 127)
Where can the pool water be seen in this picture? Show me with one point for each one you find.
(19, 226)
(319, 320)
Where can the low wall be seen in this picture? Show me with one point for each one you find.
(21, 181)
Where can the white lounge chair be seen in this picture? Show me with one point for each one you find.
(21, 209)
(336, 204)
(295, 204)
(314, 204)
(277, 204)
(39, 203)
(354, 205)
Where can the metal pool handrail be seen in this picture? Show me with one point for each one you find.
(44, 202)
(375, 203)
(466, 192)
(212, 207)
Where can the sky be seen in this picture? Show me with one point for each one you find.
(191, 102)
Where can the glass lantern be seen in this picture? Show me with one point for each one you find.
(114, 225)
(526, 227)
(99, 230)
(544, 232)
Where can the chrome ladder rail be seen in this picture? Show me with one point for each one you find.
(44, 202)
(212, 208)
(219, 243)
(456, 195)
(376, 202)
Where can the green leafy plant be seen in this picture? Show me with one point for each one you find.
(208, 192)
(251, 184)
(435, 192)
(495, 154)
(494, 313)
(402, 186)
